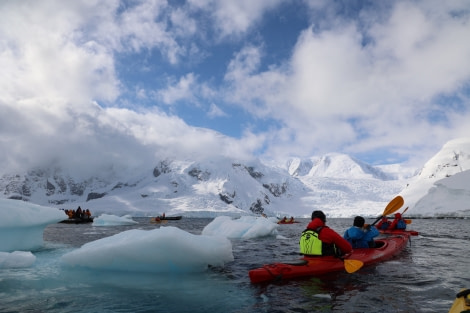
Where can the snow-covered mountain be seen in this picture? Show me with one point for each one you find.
(344, 186)
(216, 186)
(335, 183)
(442, 187)
(335, 165)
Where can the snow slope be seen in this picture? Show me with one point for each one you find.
(442, 187)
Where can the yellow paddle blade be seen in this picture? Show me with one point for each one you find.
(407, 221)
(394, 205)
(352, 265)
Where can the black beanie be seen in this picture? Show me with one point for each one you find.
(320, 215)
(359, 221)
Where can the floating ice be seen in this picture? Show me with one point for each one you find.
(161, 250)
(16, 259)
(245, 227)
(22, 224)
(113, 220)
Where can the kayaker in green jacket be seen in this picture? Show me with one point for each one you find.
(319, 239)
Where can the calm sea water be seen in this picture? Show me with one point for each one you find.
(424, 278)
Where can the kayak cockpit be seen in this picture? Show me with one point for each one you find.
(380, 244)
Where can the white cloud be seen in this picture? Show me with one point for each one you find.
(215, 111)
(234, 18)
(182, 90)
(355, 86)
(359, 88)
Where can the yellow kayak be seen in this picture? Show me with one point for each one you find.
(462, 302)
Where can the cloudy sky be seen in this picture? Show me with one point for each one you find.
(86, 82)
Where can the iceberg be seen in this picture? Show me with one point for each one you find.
(161, 250)
(22, 224)
(245, 227)
(16, 259)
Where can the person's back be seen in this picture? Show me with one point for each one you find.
(370, 234)
(331, 242)
(359, 237)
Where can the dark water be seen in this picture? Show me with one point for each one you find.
(424, 278)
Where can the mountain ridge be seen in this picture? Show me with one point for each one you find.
(336, 183)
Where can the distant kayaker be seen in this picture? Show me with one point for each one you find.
(398, 222)
(319, 239)
(384, 223)
(361, 235)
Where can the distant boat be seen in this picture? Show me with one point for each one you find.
(165, 218)
(77, 220)
(171, 217)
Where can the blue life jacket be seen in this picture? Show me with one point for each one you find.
(384, 225)
(401, 224)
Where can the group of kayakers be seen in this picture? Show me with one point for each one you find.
(397, 223)
(160, 217)
(79, 213)
(319, 239)
(286, 220)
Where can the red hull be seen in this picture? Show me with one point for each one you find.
(316, 266)
(288, 222)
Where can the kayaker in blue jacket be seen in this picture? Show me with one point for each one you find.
(360, 236)
(398, 222)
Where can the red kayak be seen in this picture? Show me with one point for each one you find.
(287, 222)
(398, 232)
(319, 265)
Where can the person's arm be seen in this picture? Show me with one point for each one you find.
(335, 238)
(371, 233)
(374, 232)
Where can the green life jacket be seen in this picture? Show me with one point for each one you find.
(309, 243)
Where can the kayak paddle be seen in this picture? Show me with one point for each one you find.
(352, 265)
(391, 207)
(407, 221)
